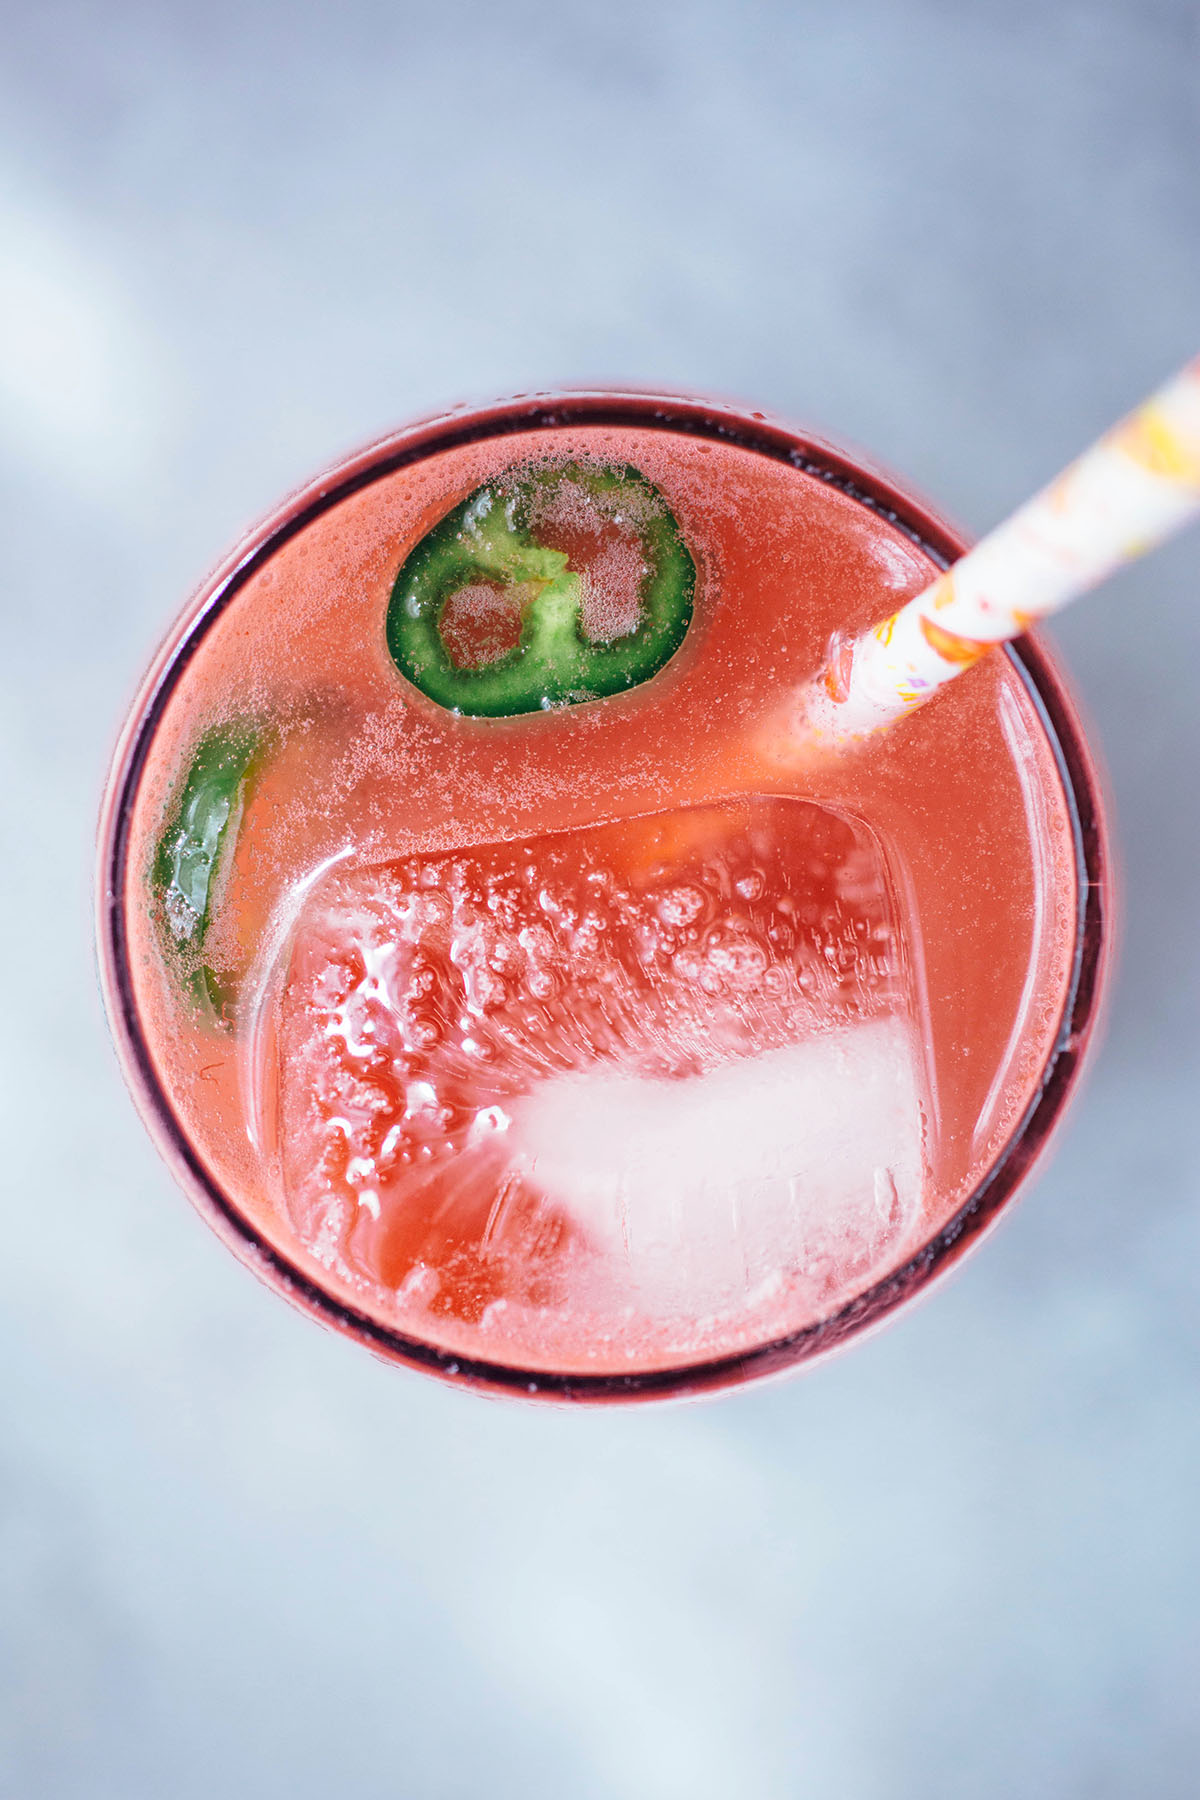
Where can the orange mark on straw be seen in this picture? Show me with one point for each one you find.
(835, 677)
(961, 651)
(883, 631)
(941, 594)
(1059, 496)
(1149, 439)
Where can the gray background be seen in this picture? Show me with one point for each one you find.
(236, 1555)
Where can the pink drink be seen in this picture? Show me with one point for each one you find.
(608, 1050)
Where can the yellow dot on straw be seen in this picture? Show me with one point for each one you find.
(1148, 438)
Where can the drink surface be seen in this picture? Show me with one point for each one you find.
(616, 1036)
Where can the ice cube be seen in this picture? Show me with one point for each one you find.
(803, 1164)
(660, 1069)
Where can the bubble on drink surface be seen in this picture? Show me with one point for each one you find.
(624, 1093)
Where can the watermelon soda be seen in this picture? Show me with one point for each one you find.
(501, 980)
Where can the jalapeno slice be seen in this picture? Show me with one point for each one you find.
(193, 849)
(543, 589)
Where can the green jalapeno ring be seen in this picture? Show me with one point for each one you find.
(488, 538)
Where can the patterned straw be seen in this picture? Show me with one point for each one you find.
(1126, 494)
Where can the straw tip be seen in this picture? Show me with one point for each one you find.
(809, 726)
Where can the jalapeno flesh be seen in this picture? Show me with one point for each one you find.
(193, 848)
(496, 549)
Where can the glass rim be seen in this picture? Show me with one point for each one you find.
(858, 480)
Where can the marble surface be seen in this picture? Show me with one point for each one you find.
(236, 1554)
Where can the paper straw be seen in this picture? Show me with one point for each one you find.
(1126, 494)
